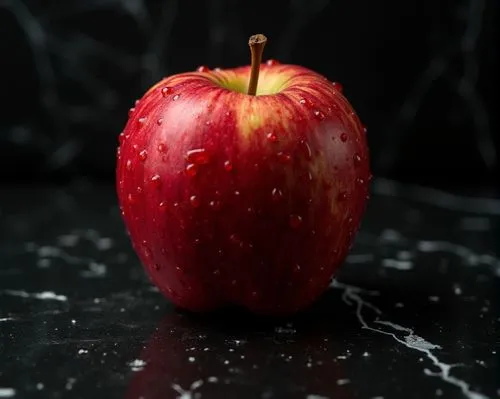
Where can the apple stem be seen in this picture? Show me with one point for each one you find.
(256, 43)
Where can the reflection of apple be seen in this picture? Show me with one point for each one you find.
(216, 359)
(234, 198)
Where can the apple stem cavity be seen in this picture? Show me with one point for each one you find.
(256, 43)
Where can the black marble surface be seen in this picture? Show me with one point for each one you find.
(414, 312)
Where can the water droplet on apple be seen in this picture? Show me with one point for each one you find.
(343, 137)
(295, 221)
(364, 128)
(176, 97)
(277, 194)
(359, 180)
(203, 68)
(319, 114)
(284, 157)
(118, 152)
(272, 137)
(342, 196)
(228, 166)
(131, 199)
(191, 170)
(306, 149)
(131, 111)
(162, 148)
(237, 193)
(272, 62)
(357, 159)
(143, 155)
(159, 121)
(163, 206)
(137, 101)
(156, 266)
(198, 156)
(195, 201)
(166, 91)
(302, 101)
(121, 138)
(156, 180)
(338, 86)
(214, 205)
(142, 120)
(145, 249)
(297, 267)
(139, 190)
(128, 164)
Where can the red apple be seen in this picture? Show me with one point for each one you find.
(243, 198)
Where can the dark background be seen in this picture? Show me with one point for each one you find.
(422, 75)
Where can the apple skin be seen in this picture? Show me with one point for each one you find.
(233, 199)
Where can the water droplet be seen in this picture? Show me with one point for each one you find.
(156, 180)
(319, 114)
(343, 137)
(131, 199)
(228, 166)
(272, 137)
(297, 267)
(191, 170)
(162, 147)
(128, 165)
(145, 249)
(215, 205)
(142, 120)
(272, 62)
(176, 97)
(302, 101)
(159, 121)
(131, 111)
(156, 266)
(277, 194)
(342, 196)
(121, 138)
(143, 155)
(364, 128)
(284, 157)
(203, 68)
(135, 147)
(338, 86)
(237, 193)
(349, 220)
(137, 101)
(139, 190)
(118, 152)
(198, 156)
(195, 201)
(166, 91)
(306, 149)
(234, 239)
(357, 159)
(163, 206)
(359, 180)
(295, 221)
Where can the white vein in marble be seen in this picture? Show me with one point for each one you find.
(351, 295)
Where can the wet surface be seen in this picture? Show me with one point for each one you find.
(414, 313)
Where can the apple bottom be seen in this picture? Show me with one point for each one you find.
(266, 282)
